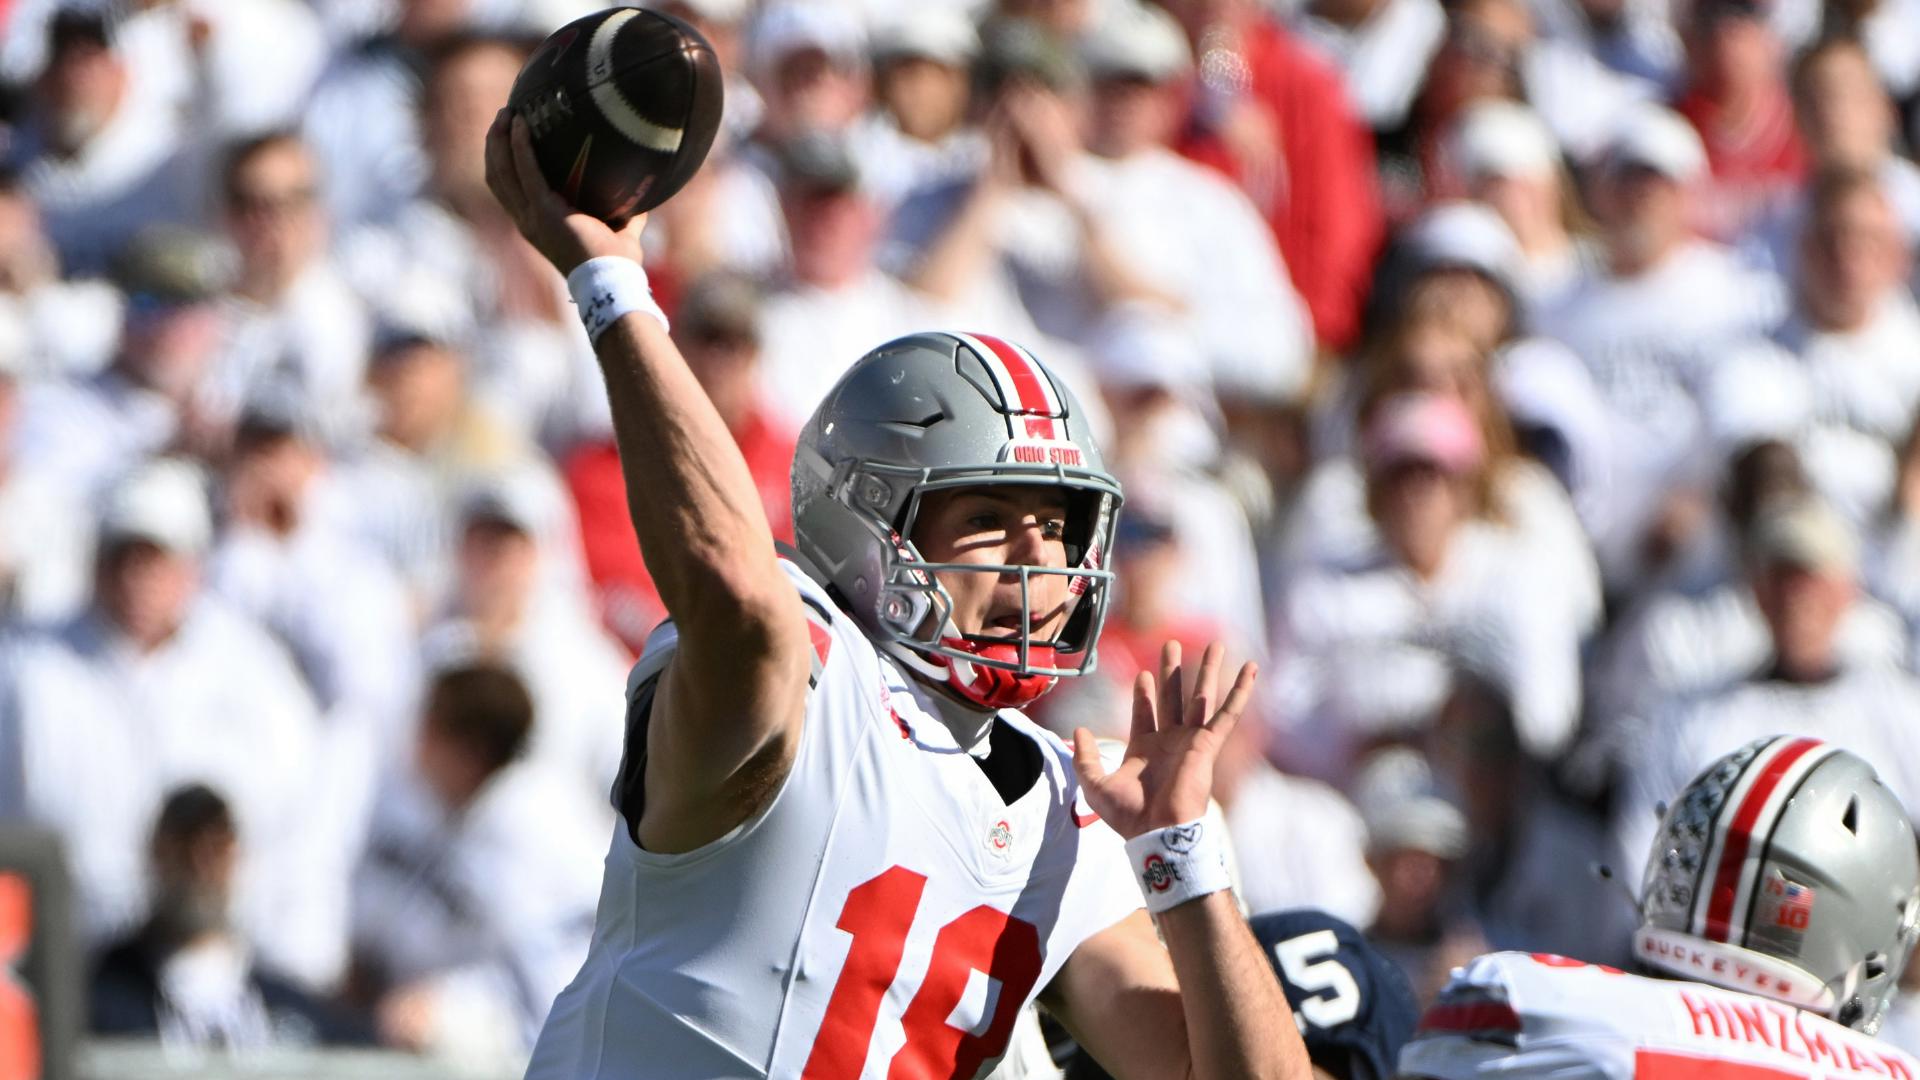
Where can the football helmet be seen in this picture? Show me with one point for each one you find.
(1788, 870)
(933, 412)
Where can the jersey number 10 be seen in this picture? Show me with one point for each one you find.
(879, 913)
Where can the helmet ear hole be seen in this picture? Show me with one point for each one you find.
(1851, 819)
(1875, 966)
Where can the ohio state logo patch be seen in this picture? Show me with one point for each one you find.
(1158, 873)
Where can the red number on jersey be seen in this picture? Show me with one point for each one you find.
(879, 913)
(1660, 1065)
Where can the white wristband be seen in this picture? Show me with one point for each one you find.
(1179, 863)
(608, 287)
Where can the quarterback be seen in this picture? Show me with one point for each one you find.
(842, 850)
(1781, 900)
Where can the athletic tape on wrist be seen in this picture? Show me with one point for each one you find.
(1179, 863)
(608, 287)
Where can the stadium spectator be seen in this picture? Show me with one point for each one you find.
(1363, 644)
(1634, 40)
(101, 159)
(49, 324)
(1845, 381)
(285, 561)
(1529, 873)
(1276, 118)
(475, 900)
(920, 134)
(1737, 98)
(46, 530)
(1503, 156)
(363, 120)
(398, 492)
(1805, 575)
(154, 396)
(1416, 840)
(1382, 47)
(235, 70)
(1848, 121)
(836, 302)
(512, 604)
(155, 685)
(188, 976)
(1298, 841)
(1650, 322)
(296, 328)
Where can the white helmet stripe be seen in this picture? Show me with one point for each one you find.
(1727, 879)
(1023, 385)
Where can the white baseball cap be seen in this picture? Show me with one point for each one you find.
(791, 26)
(1659, 139)
(163, 502)
(933, 31)
(1138, 40)
(1502, 138)
(1465, 235)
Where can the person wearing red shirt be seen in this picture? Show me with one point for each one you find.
(717, 330)
(1275, 117)
(1737, 98)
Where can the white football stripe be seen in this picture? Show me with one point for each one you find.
(607, 96)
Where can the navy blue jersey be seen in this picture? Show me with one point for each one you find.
(1354, 1006)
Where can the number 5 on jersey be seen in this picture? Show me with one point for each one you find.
(879, 913)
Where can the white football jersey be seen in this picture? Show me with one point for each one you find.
(1533, 1015)
(887, 913)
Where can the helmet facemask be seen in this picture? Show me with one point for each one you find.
(912, 611)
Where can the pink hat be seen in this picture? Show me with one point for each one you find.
(1426, 427)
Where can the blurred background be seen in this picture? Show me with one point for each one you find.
(1529, 385)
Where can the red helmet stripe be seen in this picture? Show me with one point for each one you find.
(1727, 883)
(1026, 385)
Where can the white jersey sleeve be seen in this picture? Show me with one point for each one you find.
(1535, 1015)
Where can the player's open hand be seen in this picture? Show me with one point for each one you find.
(563, 234)
(1166, 777)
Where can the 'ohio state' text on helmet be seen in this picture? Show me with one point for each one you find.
(934, 412)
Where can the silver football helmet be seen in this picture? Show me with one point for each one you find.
(1786, 869)
(933, 412)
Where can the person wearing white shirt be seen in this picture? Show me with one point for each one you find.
(101, 159)
(1504, 156)
(1805, 581)
(1381, 46)
(156, 685)
(46, 532)
(1363, 649)
(48, 325)
(1297, 842)
(475, 901)
(518, 599)
(1845, 381)
(154, 396)
(1651, 322)
(1847, 120)
(834, 303)
(450, 258)
(297, 328)
(340, 610)
(919, 134)
(237, 69)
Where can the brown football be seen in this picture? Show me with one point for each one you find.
(623, 106)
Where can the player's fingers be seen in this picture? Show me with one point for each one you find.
(1086, 757)
(499, 165)
(1143, 718)
(1237, 699)
(1172, 701)
(1206, 686)
(532, 183)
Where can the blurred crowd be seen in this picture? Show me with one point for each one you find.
(1530, 385)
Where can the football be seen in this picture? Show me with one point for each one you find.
(622, 106)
